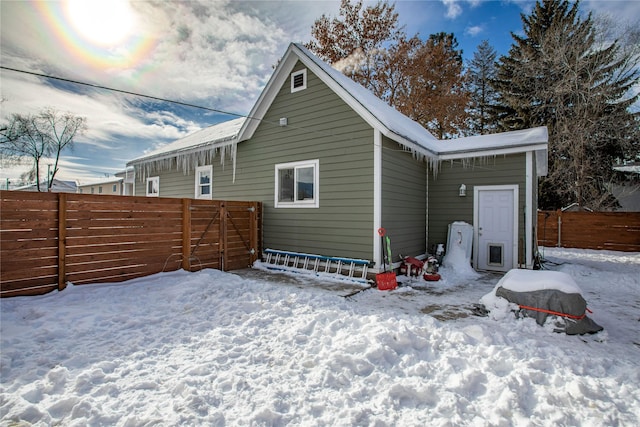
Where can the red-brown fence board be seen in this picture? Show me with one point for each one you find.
(115, 238)
(616, 231)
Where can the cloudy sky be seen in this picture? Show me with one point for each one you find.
(215, 54)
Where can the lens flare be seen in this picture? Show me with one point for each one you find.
(101, 34)
(105, 23)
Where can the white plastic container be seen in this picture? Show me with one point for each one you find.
(460, 235)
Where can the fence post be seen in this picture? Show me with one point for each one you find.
(223, 236)
(186, 234)
(559, 228)
(253, 232)
(62, 241)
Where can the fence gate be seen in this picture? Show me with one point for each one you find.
(222, 235)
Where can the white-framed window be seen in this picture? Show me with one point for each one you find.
(204, 180)
(114, 188)
(297, 184)
(299, 80)
(153, 186)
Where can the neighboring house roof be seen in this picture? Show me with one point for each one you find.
(57, 186)
(389, 121)
(628, 168)
(101, 181)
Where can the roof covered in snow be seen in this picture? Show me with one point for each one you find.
(57, 186)
(107, 180)
(200, 147)
(213, 136)
(635, 168)
(389, 121)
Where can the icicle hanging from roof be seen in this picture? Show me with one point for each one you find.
(197, 149)
(188, 161)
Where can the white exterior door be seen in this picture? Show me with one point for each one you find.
(496, 219)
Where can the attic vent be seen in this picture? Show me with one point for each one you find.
(298, 80)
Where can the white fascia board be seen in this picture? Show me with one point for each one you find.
(453, 155)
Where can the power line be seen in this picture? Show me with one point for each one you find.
(46, 76)
(185, 104)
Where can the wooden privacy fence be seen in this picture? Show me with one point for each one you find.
(616, 231)
(49, 239)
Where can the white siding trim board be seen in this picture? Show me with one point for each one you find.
(528, 210)
(377, 197)
(489, 153)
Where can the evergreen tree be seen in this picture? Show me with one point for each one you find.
(560, 75)
(480, 74)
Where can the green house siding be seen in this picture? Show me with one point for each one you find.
(173, 183)
(404, 200)
(446, 206)
(320, 126)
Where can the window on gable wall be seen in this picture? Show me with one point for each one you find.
(204, 179)
(297, 185)
(298, 80)
(153, 186)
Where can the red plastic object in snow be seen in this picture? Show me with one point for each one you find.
(431, 277)
(386, 281)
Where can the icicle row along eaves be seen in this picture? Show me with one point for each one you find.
(189, 161)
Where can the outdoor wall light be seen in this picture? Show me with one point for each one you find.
(283, 121)
(462, 192)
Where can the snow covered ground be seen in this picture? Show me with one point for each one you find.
(213, 348)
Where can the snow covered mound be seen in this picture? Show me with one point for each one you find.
(218, 349)
(536, 280)
(456, 263)
(540, 294)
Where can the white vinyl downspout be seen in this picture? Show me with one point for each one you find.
(528, 226)
(377, 197)
(426, 215)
